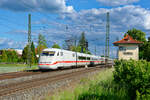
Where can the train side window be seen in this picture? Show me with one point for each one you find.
(58, 54)
(88, 58)
(61, 53)
(82, 58)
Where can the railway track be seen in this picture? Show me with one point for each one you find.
(21, 86)
(12, 75)
(26, 73)
(16, 75)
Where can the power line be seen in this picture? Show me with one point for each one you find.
(10, 21)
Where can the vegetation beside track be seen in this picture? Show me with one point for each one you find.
(135, 77)
(100, 87)
(27, 68)
(13, 65)
(128, 80)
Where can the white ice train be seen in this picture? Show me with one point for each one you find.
(52, 58)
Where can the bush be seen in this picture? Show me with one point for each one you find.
(106, 90)
(135, 76)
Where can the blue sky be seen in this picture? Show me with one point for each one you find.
(50, 18)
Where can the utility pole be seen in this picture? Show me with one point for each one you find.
(86, 49)
(29, 41)
(117, 48)
(76, 51)
(95, 49)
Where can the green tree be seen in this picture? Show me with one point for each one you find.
(9, 56)
(41, 43)
(146, 50)
(140, 36)
(82, 47)
(137, 34)
(34, 58)
(14, 56)
(82, 41)
(4, 56)
(24, 54)
(56, 46)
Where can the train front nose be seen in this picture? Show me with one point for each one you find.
(45, 62)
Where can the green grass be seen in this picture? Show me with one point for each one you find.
(5, 68)
(13, 65)
(100, 87)
(27, 68)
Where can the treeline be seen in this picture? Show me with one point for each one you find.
(11, 56)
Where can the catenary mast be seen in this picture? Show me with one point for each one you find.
(29, 41)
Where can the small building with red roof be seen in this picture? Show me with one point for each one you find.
(128, 48)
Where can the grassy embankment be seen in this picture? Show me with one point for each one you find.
(100, 87)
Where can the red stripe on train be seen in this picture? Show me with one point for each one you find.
(69, 62)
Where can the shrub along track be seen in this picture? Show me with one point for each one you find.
(21, 86)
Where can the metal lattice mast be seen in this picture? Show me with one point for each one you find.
(29, 41)
(107, 37)
(108, 26)
(106, 42)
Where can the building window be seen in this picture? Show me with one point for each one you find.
(122, 48)
(128, 53)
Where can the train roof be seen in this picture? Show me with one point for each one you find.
(62, 50)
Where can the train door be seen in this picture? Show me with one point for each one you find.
(62, 58)
(67, 59)
(76, 59)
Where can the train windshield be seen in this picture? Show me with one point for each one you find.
(48, 53)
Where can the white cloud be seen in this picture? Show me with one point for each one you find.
(93, 22)
(9, 43)
(116, 2)
(121, 18)
(54, 6)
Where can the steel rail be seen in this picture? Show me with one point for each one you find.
(12, 88)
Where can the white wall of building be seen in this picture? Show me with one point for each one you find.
(128, 51)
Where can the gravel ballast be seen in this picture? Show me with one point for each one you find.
(40, 91)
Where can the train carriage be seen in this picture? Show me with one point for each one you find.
(52, 58)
